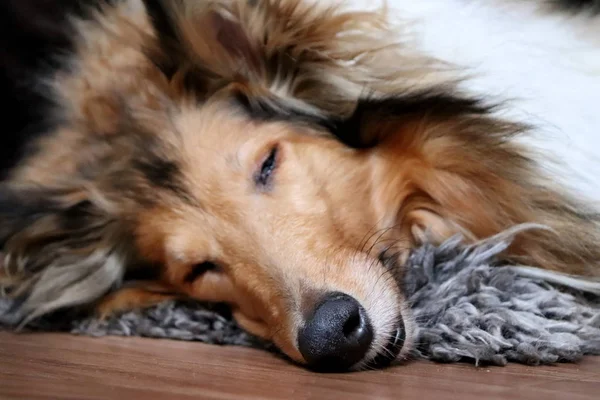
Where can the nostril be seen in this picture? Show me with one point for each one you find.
(352, 325)
(355, 326)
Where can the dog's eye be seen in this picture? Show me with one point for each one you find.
(200, 269)
(263, 176)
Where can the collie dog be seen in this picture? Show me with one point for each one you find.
(281, 156)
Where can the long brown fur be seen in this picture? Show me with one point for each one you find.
(165, 114)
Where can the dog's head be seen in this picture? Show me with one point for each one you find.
(229, 146)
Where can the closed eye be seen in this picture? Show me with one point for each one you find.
(263, 177)
(200, 269)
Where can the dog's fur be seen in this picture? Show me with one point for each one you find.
(259, 153)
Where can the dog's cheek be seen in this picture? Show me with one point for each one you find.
(214, 287)
(254, 326)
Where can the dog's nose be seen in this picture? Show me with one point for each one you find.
(337, 335)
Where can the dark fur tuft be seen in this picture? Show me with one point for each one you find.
(19, 210)
(60, 251)
(33, 33)
(160, 173)
(436, 104)
(167, 38)
(578, 6)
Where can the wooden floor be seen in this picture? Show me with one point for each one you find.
(51, 366)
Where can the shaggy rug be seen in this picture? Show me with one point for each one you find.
(466, 309)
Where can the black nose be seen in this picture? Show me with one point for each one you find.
(337, 335)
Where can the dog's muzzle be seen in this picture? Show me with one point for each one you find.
(339, 335)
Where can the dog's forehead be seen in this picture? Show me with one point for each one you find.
(216, 136)
(209, 123)
(216, 127)
(212, 147)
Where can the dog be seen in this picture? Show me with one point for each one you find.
(280, 156)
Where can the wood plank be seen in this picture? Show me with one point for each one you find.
(64, 367)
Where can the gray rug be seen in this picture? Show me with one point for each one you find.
(465, 308)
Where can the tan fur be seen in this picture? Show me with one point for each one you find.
(331, 209)
(143, 294)
(482, 183)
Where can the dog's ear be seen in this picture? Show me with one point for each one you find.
(59, 249)
(200, 46)
(284, 58)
